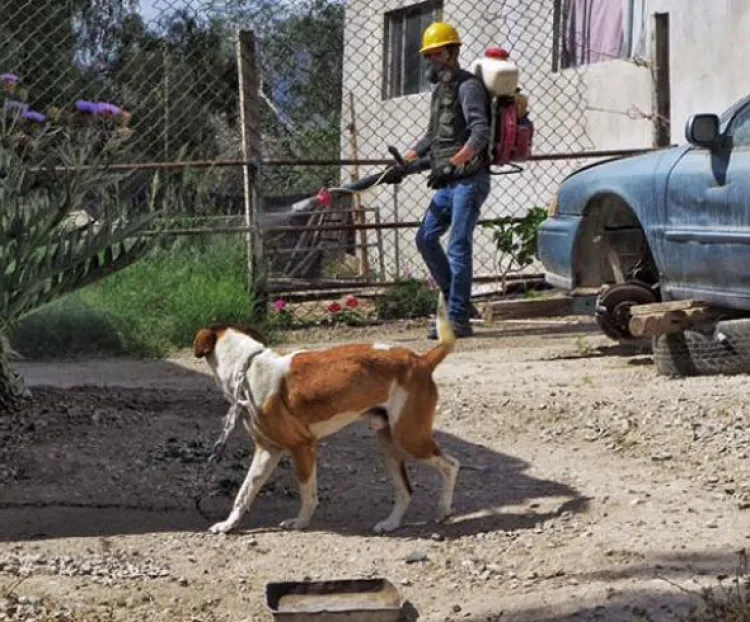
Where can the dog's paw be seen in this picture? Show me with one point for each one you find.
(294, 523)
(386, 526)
(222, 527)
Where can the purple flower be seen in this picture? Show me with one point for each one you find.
(9, 78)
(34, 116)
(14, 104)
(280, 305)
(86, 107)
(108, 109)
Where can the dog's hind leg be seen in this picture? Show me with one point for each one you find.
(394, 462)
(448, 467)
(305, 464)
(264, 462)
(413, 433)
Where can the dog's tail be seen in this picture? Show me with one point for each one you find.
(446, 337)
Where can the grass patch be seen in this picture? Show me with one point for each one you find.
(150, 309)
(410, 298)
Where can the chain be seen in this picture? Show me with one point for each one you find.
(230, 422)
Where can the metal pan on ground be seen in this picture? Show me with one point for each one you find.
(356, 600)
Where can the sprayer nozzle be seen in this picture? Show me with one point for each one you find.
(325, 198)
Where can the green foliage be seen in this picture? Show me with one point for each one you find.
(46, 175)
(178, 77)
(153, 308)
(58, 46)
(281, 319)
(409, 298)
(43, 256)
(516, 238)
(68, 328)
(301, 45)
(349, 314)
(189, 99)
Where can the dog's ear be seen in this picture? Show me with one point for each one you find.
(204, 343)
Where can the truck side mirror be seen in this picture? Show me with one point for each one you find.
(702, 130)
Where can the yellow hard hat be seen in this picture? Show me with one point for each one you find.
(439, 35)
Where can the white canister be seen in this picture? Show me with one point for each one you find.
(499, 74)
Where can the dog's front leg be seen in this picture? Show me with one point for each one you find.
(264, 462)
(305, 465)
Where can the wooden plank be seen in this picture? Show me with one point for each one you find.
(666, 307)
(528, 308)
(671, 321)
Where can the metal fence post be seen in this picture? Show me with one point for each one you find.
(249, 87)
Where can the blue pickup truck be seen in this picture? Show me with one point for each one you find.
(666, 226)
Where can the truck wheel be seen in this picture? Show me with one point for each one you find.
(613, 307)
(721, 348)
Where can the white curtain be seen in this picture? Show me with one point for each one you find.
(594, 31)
(637, 27)
(600, 30)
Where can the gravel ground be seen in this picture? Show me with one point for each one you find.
(591, 489)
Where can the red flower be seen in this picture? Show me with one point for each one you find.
(352, 302)
(325, 198)
(335, 307)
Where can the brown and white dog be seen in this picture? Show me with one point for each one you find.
(288, 403)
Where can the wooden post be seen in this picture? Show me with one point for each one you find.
(379, 236)
(364, 262)
(251, 151)
(661, 81)
(396, 232)
(166, 102)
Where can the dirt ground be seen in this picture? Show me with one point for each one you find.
(591, 489)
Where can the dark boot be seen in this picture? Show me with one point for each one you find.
(460, 329)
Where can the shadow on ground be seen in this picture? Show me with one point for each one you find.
(625, 349)
(93, 461)
(670, 593)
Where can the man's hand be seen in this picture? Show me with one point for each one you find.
(411, 156)
(464, 155)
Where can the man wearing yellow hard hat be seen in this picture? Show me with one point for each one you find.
(457, 142)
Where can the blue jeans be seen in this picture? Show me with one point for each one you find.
(456, 206)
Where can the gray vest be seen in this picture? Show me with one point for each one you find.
(448, 128)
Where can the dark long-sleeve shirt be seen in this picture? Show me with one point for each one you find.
(473, 99)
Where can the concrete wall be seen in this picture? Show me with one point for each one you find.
(603, 106)
(709, 56)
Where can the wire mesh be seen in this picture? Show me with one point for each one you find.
(338, 80)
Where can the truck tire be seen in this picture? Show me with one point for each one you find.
(721, 348)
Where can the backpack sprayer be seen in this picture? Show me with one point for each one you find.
(511, 132)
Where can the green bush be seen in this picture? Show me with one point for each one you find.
(151, 308)
(68, 328)
(409, 298)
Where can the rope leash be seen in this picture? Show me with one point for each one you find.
(230, 422)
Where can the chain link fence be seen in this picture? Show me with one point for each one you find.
(338, 82)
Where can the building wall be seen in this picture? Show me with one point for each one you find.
(708, 55)
(602, 106)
